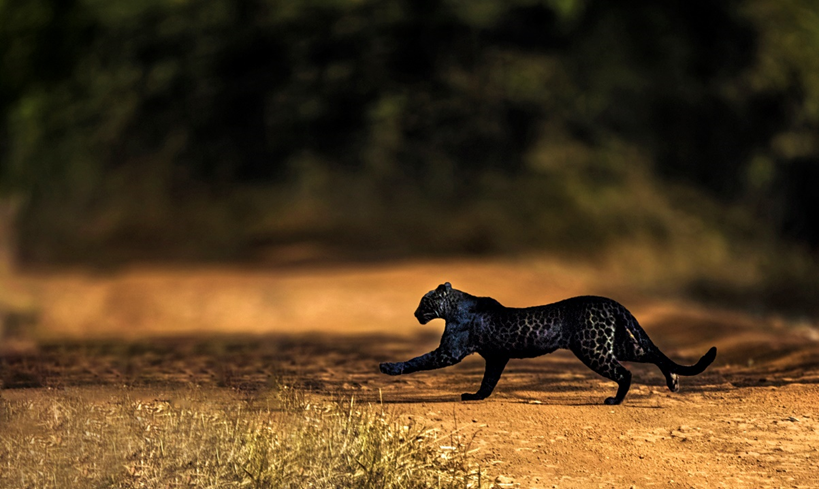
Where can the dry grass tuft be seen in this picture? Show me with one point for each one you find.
(63, 439)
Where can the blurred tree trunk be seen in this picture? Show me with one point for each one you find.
(16, 308)
(8, 236)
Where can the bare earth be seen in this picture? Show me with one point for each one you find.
(751, 420)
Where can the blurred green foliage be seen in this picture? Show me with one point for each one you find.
(213, 129)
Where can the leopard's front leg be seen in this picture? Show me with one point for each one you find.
(438, 358)
(491, 376)
(453, 348)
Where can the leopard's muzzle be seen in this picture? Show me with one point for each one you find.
(424, 316)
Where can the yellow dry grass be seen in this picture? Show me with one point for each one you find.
(205, 439)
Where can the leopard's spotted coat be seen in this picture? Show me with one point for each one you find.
(600, 331)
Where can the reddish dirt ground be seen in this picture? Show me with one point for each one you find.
(751, 420)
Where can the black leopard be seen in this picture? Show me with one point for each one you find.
(600, 331)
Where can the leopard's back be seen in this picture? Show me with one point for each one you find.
(592, 323)
(522, 332)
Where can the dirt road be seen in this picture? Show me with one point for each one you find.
(752, 420)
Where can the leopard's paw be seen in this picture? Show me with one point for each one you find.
(391, 368)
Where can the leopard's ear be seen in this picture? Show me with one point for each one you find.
(444, 289)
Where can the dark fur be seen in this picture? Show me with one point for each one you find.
(600, 331)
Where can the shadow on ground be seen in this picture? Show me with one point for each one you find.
(346, 365)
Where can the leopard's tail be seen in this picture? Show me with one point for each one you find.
(695, 369)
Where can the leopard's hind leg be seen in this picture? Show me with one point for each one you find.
(671, 379)
(604, 363)
(632, 344)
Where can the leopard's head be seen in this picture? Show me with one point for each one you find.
(437, 303)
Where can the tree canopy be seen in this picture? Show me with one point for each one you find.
(221, 123)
